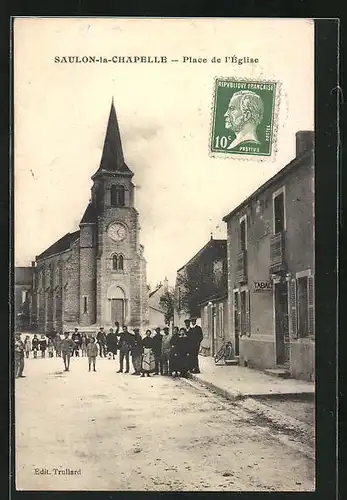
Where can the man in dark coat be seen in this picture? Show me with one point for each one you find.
(195, 337)
(125, 344)
(157, 342)
(101, 340)
(112, 342)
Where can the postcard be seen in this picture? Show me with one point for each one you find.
(164, 229)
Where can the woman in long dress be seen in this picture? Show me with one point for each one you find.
(148, 359)
(184, 353)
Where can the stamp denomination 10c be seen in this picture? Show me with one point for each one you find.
(243, 117)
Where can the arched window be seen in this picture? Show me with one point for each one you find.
(121, 262)
(117, 196)
(115, 262)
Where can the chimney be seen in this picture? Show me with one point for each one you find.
(304, 141)
(33, 263)
(166, 284)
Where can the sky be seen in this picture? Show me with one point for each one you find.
(164, 115)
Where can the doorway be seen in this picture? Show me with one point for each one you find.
(281, 324)
(237, 323)
(117, 311)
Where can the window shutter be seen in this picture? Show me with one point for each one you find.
(311, 308)
(293, 319)
(248, 314)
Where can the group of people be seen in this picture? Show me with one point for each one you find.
(158, 352)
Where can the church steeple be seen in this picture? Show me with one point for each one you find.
(112, 159)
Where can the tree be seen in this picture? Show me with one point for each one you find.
(167, 302)
(197, 282)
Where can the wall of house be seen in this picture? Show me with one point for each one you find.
(257, 349)
(215, 335)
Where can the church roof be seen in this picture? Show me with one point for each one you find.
(112, 159)
(60, 245)
(89, 214)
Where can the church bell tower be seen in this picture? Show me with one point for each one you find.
(113, 284)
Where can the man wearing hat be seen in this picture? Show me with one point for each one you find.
(157, 342)
(195, 335)
(136, 351)
(165, 350)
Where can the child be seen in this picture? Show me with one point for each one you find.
(43, 345)
(92, 352)
(50, 348)
(35, 345)
(27, 346)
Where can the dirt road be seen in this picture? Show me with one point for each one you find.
(119, 432)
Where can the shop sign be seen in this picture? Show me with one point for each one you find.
(262, 286)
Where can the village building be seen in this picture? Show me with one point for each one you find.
(270, 240)
(155, 307)
(96, 275)
(201, 292)
(24, 297)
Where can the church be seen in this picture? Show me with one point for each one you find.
(97, 275)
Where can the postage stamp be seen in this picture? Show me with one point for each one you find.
(244, 115)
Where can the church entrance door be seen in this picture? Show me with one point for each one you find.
(117, 311)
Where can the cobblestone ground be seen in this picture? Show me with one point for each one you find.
(122, 432)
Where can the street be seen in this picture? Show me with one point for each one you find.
(120, 432)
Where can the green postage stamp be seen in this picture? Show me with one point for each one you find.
(244, 118)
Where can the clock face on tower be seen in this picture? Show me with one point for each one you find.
(116, 231)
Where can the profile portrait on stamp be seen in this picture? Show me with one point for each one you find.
(243, 119)
(244, 114)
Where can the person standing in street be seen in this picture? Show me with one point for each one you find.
(92, 352)
(43, 345)
(136, 352)
(157, 341)
(125, 345)
(148, 358)
(57, 342)
(101, 340)
(76, 337)
(112, 341)
(184, 353)
(27, 346)
(19, 356)
(50, 348)
(84, 344)
(35, 345)
(174, 353)
(165, 350)
(195, 336)
(67, 347)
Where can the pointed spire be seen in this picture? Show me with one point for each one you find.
(112, 159)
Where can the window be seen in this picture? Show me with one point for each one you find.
(85, 305)
(278, 208)
(117, 196)
(243, 234)
(302, 306)
(121, 263)
(115, 262)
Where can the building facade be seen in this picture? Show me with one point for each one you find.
(201, 291)
(24, 297)
(271, 307)
(97, 274)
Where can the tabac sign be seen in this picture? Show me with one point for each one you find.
(262, 286)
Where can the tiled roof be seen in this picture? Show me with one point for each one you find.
(59, 246)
